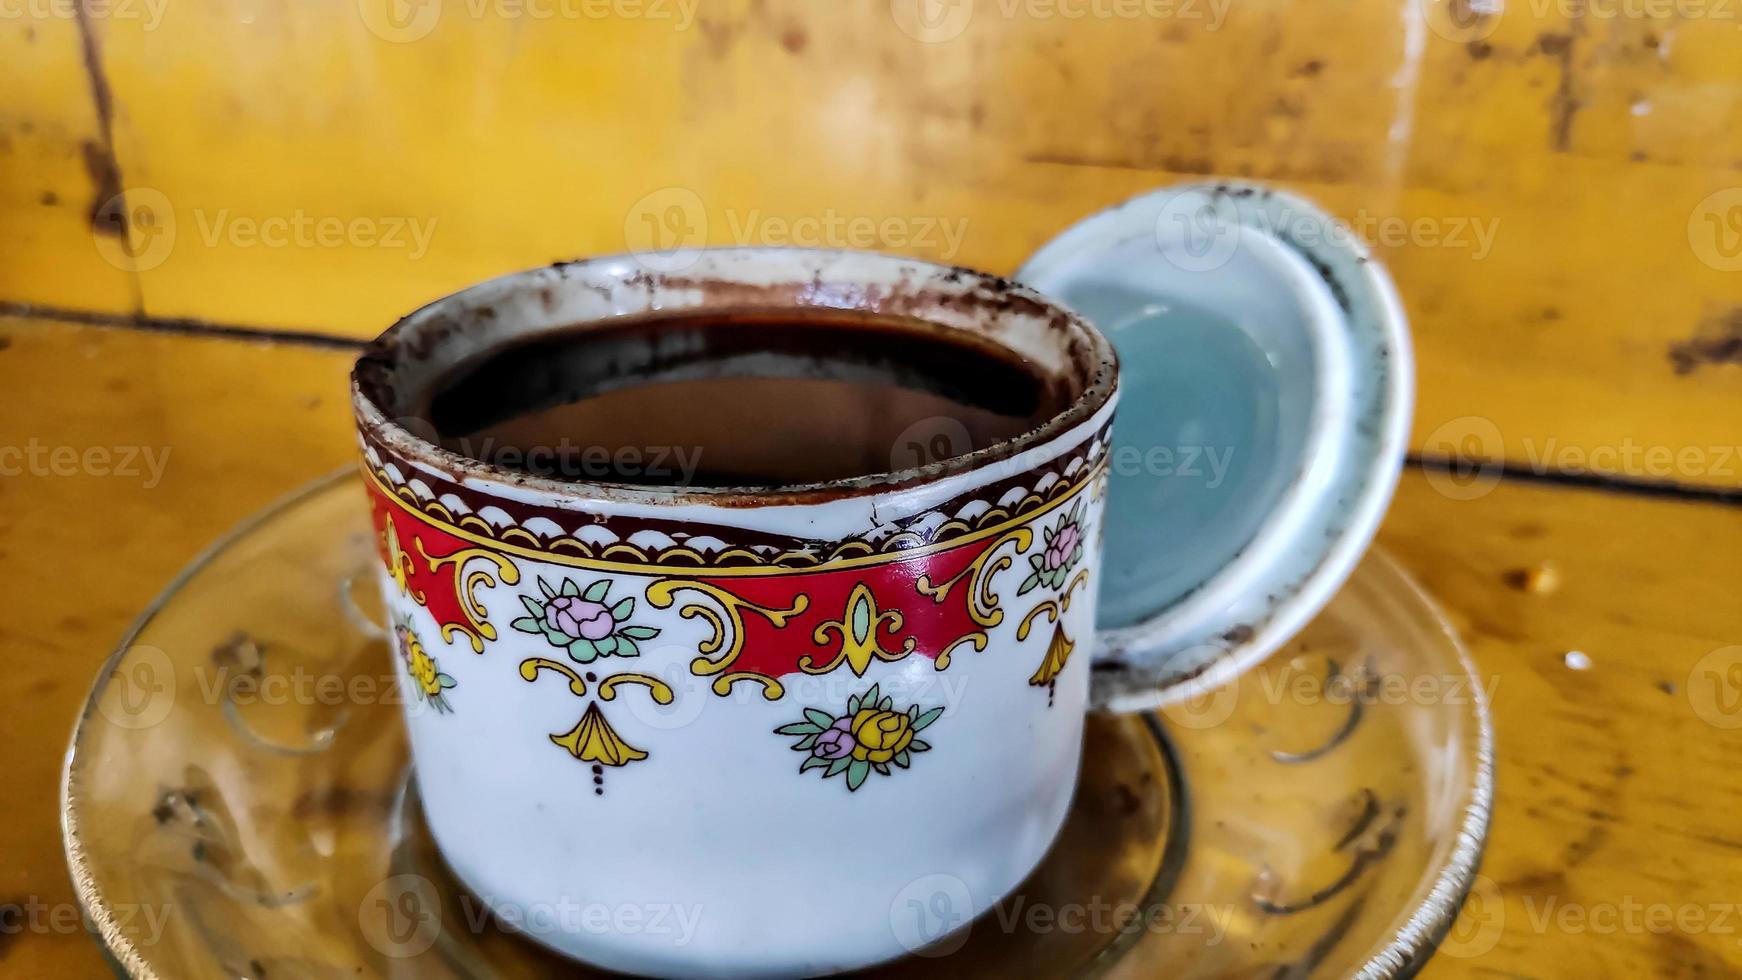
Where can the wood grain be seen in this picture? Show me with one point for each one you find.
(57, 246)
(1558, 189)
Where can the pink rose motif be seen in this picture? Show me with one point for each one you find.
(1063, 548)
(1064, 544)
(582, 619)
(836, 742)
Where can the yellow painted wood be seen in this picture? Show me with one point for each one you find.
(51, 144)
(1617, 784)
(1558, 189)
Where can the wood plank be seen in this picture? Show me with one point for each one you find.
(56, 248)
(1617, 783)
(1558, 190)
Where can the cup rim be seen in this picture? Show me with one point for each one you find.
(917, 282)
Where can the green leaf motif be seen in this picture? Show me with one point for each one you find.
(902, 759)
(443, 680)
(597, 591)
(919, 745)
(533, 606)
(639, 632)
(857, 772)
(526, 624)
(886, 704)
(626, 647)
(797, 728)
(838, 766)
(807, 742)
(606, 645)
(1029, 584)
(543, 586)
(861, 619)
(624, 608)
(920, 723)
(814, 762)
(583, 651)
(821, 719)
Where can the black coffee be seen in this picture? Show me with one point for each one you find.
(743, 400)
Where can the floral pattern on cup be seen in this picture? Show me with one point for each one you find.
(1061, 550)
(586, 623)
(430, 684)
(870, 737)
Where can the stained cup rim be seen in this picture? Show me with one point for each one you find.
(906, 285)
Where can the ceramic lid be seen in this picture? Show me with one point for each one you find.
(1265, 402)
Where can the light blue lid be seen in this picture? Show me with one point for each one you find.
(1264, 405)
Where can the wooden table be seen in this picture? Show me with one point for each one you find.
(200, 209)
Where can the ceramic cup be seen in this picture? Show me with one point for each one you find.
(807, 729)
(711, 731)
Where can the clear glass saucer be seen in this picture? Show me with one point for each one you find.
(236, 801)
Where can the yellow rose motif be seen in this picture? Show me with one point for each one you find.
(881, 735)
(870, 737)
(423, 669)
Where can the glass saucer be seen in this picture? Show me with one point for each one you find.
(236, 800)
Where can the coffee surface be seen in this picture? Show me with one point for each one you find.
(742, 400)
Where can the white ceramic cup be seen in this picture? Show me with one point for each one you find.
(726, 732)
